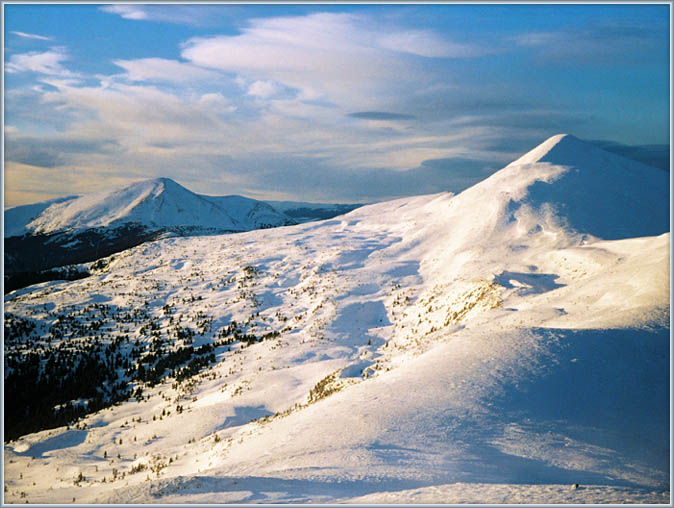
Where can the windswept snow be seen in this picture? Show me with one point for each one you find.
(495, 346)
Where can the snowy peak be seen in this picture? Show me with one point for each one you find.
(568, 150)
(579, 187)
(80, 229)
(555, 150)
(155, 204)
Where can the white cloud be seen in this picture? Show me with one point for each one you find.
(152, 131)
(126, 11)
(216, 102)
(263, 89)
(47, 62)
(161, 69)
(32, 36)
(141, 120)
(194, 15)
(344, 58)
(205, 115)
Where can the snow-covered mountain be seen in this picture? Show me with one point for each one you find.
(506, 344)
(77, 229)
(155, 204)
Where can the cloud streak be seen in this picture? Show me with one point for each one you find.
(52, 152)
(135, 12)
(191, 15)
(32, 36)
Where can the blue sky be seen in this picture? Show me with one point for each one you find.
(328, 102)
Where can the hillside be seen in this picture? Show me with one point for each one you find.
(495, 346)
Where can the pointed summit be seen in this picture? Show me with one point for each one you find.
(569, 183)
(568, 150)
(556, 147)
(162, 183)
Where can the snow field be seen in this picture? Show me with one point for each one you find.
(469, 348)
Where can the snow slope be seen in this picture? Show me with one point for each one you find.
(17, 217)
(495, 346)
(158, 203)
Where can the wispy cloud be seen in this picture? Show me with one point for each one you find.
(136, 116)
(334, 106)
(126, 11)
(322, 181)
(428, 44)
(343, 58)
(46, 62)
(161, 69)
(330, 90)
(51, 152)
(32, 36)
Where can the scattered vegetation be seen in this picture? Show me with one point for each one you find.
(73, 361)
(325, 387)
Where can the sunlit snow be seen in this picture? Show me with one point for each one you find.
(496, 346)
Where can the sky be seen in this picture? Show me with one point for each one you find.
(318, 102)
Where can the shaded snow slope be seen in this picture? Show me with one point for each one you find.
(592, 191)
(477, 347)
(16, 218)
(251, 213)
(158, 203)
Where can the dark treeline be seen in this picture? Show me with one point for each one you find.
(35, 253)
(18, 280)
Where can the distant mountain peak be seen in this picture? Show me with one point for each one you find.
(158, 203)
